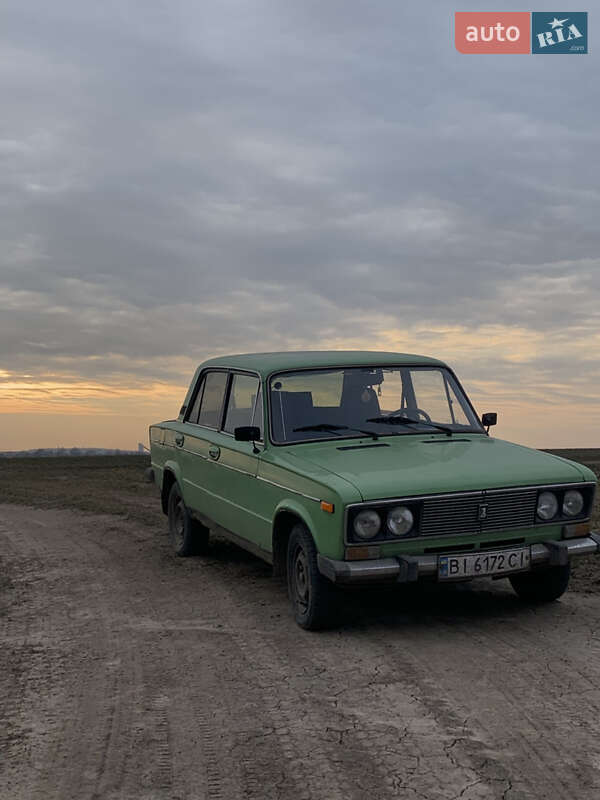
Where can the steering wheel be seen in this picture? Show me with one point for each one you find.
(403, 413)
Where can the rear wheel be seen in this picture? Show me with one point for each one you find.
(312, 596)
(542, 586)
(188, 536)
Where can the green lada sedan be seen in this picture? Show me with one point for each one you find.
(346, 467)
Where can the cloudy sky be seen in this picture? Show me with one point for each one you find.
(182, 179)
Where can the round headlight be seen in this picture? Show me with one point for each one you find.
(400, 520)
(367, 524)
(572, 503)
(547, 505)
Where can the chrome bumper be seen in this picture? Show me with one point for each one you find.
(406, 569)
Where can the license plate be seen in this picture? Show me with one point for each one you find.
(487, 563)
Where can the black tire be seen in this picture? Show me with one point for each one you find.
(542, 586)
(313, 596)
(188, 536)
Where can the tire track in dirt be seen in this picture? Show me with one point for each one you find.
(530, 698)
(78, 701)
(169, 679)
(32, 667)
(309, 767)
(274, 727)
(244, 751)
(98, 738)
(353, 755)
(484, 765)
(505, 715)
(561, 759)
(383, 752)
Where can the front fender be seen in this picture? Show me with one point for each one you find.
(326, 529)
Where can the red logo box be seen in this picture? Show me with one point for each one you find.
(491, 32)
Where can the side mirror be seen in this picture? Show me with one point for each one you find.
(487, 420)
(247, 433)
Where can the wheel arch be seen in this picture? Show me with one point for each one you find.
(171, 474)
(287, 514)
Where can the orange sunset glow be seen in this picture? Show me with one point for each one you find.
(496, 364)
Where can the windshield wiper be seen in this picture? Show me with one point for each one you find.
(398, 419)
(328, 427)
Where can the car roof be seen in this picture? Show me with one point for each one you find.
(267, 363)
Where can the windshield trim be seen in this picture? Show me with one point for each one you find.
(332, 367)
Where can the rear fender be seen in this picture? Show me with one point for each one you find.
(172, 466)
(171, 472)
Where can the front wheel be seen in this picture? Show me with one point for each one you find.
(188, 536)
(312, 595)
(542, 586)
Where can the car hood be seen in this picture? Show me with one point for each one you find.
(414, 465)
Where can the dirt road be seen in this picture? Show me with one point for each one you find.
(127, 674)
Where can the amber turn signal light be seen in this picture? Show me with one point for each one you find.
(328, 507)
(360, 553)
(576, 530)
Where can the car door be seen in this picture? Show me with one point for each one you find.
(197, 441)
(236, 464)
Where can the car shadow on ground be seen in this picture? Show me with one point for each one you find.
(223, 554)
(392, 606)
(481, 600)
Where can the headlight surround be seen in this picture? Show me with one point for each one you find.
(383, 522)
(400, 520)
(547, 506)
(367, 524)
(573, 503)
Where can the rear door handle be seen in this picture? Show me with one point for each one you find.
(179, 439)
(214, 451)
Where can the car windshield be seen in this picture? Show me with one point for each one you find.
(381, 401)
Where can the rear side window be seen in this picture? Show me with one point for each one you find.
(213, 397)
(195, 410)
(242, 400)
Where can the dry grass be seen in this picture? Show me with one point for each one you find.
(95, 484)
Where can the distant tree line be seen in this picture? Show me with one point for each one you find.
(45, 452)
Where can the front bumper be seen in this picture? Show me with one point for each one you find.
(406, 569)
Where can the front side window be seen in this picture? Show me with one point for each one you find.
(242, 401)
(213, 396)
(327, 404)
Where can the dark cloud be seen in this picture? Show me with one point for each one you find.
(181, 179)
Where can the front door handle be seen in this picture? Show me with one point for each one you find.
(179, 439)
(214, 451)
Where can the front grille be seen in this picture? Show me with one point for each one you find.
(478, 512)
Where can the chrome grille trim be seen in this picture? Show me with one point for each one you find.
(505, 510)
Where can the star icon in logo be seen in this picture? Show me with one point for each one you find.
(557, 23)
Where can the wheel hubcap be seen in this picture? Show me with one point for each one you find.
(301, 580)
